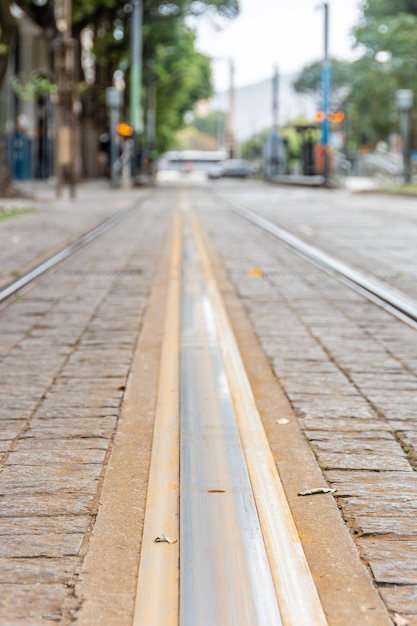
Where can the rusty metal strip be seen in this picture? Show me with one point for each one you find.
(297, 596)
(158, 579)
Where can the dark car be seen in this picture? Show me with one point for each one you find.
(236, 168)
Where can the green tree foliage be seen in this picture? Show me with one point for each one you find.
(386, 36)
(213, 124)
(182, 75)
(309, 81)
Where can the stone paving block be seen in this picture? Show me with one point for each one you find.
(39, 504)
(81, 400)
(10, 428)
(52, 410)
(49, 545)
(330, 424)
(32, 604)
(351, 407)
(409, 438)
(326, 440)
(53, 456)
(40, 570)
(54, 479)
(58, 428)
(62, 445)
(42, 525)
(401, 600)
(398, 526)
(363, 462)
(392, 562)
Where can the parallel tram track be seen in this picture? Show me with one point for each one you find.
(388, 298)
(240, 559)
(25, 280)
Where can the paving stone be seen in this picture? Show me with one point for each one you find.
(392, 562)
(42, 525)
(327, 424)
(54, 479)
(401, 525)
(58, 428)
(382, 463)
(49, 545)
(77, 444)
(19, 505)
(32, 604)
(401, 600)
(37, 570)
(54, 456)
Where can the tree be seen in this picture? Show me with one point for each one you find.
(182, 76)
(7, 34)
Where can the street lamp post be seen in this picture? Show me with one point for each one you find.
(405, 102)
(326, 89)
(230, 134)
(136, 72)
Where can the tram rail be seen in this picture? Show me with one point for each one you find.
(384, 296)
(26, 279)
(230, 554)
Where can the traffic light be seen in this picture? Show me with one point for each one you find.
(335, 118)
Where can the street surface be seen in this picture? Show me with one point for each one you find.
(340, 370)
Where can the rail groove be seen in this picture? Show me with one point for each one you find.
(388, 298)
(25, 280)
(240, 560)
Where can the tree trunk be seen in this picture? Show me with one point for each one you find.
(8, 30)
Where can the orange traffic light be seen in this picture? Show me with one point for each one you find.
(124, 129)
(337, 117)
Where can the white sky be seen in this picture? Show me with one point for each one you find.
(286, 33)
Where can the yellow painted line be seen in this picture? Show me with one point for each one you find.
(297, 595)
(158, 579)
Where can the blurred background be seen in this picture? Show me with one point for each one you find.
(121, 89)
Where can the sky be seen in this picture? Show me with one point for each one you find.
(284, 33)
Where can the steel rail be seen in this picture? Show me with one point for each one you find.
(297, 596)
(388, 298)
(156, 602)
(219, 543)
(24, 280)
(225, 576)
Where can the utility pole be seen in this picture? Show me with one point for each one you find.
(151, 116)
(275, 99)
(405, 98)
(230, 134)
(326, 88)
(274, 138)
(136, 72)
(64, 48)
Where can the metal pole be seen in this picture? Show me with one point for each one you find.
(136, 68)
(274, 139)
(405, 98)
(275, 96)
(405, 119)
(326, 88)
(231, 113)
(151, 116)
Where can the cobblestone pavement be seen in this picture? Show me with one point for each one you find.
(348, 368)
(50, 223)
(65, 353)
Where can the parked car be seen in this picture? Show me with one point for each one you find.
(236, 168)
